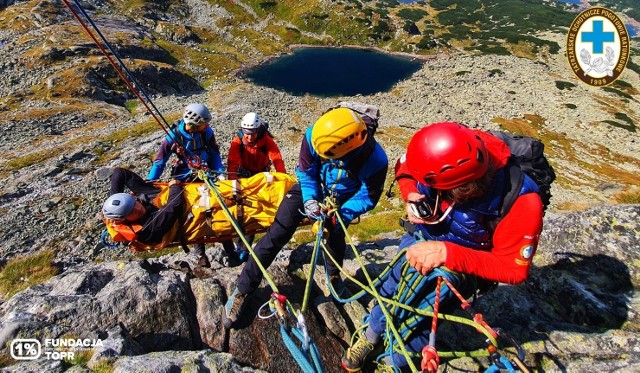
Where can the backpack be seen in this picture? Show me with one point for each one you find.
(527, 156)
(370, 113)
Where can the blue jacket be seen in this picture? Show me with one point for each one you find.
(468, 224)
(201, 144)
(356, 189)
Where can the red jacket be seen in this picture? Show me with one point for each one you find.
(515, 239)
(254, 159)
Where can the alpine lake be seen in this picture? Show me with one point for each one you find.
(331, 72)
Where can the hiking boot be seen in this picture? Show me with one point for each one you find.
(232, 260)
(203, 261)
(233, 308)
(243, 255)
(384, 368)
(355, 356)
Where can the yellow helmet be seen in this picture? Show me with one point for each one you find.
(337, 132)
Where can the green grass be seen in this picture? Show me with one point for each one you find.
(27, 160)
(413, 15)
(375, 224)
(628, 197)
(561, 85)
(131, 106)
(23, 272)
(137, 130)
(80, 358)
(104, 366)
(628, 127)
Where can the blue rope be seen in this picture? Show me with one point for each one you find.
(298, 354)
(313, 349)
(106, 241)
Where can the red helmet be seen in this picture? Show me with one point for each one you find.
(446, 155)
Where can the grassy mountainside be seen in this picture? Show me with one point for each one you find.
(491, 63)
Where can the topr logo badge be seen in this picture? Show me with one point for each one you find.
(598, 46)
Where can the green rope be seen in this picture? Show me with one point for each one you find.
(314, 258)
(369, 289)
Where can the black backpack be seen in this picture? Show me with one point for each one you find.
(527, 156)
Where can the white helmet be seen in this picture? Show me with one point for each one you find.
(251, 121)
(196, 114)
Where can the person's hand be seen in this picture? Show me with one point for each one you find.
(312, 209)
(427, 255)
(173, 182)
(221, 177)
(412, 218)
(176, 148)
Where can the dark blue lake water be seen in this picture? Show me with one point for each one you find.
(331, 72)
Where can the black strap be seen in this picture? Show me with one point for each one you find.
(516, 178)
(408, 226)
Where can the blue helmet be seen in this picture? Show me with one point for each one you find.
(118, 206)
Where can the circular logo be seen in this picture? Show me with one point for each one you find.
(598, 46)
(527, 252)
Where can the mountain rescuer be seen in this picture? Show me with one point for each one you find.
(251, 152)
(340, 159)
(193, 142)
(454, 180)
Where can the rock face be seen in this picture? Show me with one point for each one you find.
(576, 312)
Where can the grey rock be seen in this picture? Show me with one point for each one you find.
(181, 361)
(118, 343)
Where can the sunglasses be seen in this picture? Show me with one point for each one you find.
(199, 124)
(430, 213)
(249, 132)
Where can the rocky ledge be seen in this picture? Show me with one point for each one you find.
(576, 312)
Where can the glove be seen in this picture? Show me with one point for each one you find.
(221, 177)
(312, 209)
(178, 149)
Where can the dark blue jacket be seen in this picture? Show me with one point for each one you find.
(469, 224)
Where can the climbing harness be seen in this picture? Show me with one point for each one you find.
(410, 316)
